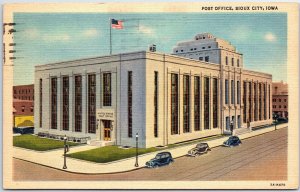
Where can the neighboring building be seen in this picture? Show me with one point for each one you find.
(23, 92)
(23, 96)
(280, 99)
(164, 98)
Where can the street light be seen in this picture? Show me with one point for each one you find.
(275, 123)
(136, 149)
(65, 151)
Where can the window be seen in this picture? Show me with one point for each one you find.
(238, 62)
(227, 123)
(245, 102)
(209, 47)
(203, 47)
(239, 121)
(65, 97)
(279, 100)
(265, 102)
(226, 91)
(285, 106)
(215, 102)
(23, 108)
(176, 51)
(195, 48)
(129, 109)
(260, 103)
(279, 106)
(232, 61)
(155, 104)
(250, 102)
(197, 103)
(92, 103)
(41, 102)
(206, 103)
(15, 91)
(284, 100)
(201, 58)
(78, 103)
(226, 60)
(107, 89)
(53, 103)
(255, 101)
(238, 92)
(31, 109)
(206, 58)
(232, 92)
(174, 104)
(186, 103)
(181, 50)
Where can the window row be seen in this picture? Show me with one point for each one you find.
(235, 90)
(24, 97)
(194, 49)
(232, 61)
(279, 106)
(279, 100)
(23, 91)
(91, 101)
(198, 94)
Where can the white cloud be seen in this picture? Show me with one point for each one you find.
(270, 37)
(90, 33)
(31, 33)
(55, 38)
(146, 30)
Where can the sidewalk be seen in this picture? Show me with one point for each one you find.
(55, 159)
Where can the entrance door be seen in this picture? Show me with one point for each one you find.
(107, 129)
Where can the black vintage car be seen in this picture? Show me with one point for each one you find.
(232, 141)
(199, 149)
(163, 158)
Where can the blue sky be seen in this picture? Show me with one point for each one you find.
(43, 38)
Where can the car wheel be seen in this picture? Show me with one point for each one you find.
(155, 166)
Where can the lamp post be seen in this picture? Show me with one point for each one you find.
(136, 149)
(65, 151)
(231, 127)
(275, 123)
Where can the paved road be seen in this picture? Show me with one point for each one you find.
(262, 157)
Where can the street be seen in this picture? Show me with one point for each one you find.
(263, 157)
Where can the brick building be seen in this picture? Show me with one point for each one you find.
(280, 99)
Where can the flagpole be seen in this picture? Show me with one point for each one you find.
(110, 36)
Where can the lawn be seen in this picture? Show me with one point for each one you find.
(108, 154)
(114, 153)
(39, 144)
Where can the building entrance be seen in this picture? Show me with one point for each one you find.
(107, 129)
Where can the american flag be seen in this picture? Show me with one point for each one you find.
(116, 24)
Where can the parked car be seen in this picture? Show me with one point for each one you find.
(163, 158)
(199, 149)
(232, 141)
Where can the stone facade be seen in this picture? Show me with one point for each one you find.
(280, 99)
(164, 98)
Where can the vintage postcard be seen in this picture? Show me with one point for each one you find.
(150, 95)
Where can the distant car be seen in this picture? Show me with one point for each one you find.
(232, 141)
(163, 158)
(281, 120)
(199, 149)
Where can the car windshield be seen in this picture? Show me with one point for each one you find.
(201, 145)
(158, 156)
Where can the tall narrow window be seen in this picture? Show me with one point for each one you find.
(107, 89)
(206, 103)
(197, 103)
(238, 63)
(232, 92)
(265, 102)
(186, 103)
(232, 61)
(226, 60)
(260, 104)
(78, 103)
(269, 102)
(53, 103)
(255, 101)
(155, 104)
(250, 102)
(129, 110)
(92, 103)
(41, 102)
(65, 95)
(174, 104)
(226, 91)
(245, 102)
(238, 92)
(215, 102)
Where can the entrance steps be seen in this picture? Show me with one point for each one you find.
(100, 143)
